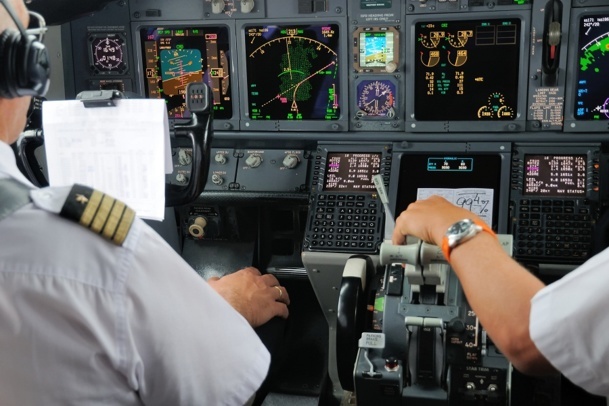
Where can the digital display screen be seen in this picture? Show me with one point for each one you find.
(467, 70)
(555, 175)
(592, 93)
(351, 171)
(476, 180)
(177, 56)
(450, 164)
(376, 49)
(293, 72)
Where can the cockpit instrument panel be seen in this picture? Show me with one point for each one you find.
(175, 56)
(293, 72)
(107, 53)
(555, 175)
(376, 49)
(592, 97)
(467, 71)
(453, 79)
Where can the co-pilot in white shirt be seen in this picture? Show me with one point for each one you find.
(86, 322)
(569, 324)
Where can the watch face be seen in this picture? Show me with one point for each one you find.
(460, 227)
(460, 231)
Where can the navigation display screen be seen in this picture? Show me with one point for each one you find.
(351, 171)
(293, 72)
(467, 70)
(177, 56)
(592, 96)
(555, 175)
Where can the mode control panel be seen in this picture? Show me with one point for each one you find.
(555, 202)
(346, 213)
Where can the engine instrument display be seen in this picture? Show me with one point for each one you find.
(467, 70)
(177, 56)
(293, 72)
(351, 172)
(555, 175)
(592, 93)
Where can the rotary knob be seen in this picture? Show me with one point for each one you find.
(217, 179)
(253, 161)
(217, 6)
(181, 178)
(247, 6)
(220, 159)
(291, 161)
(184, 158)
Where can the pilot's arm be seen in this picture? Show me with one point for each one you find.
(539, 328)
(185, 343)
(498, 289)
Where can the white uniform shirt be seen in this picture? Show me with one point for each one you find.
(570, 321)
(85, 322)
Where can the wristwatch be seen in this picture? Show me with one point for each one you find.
(461, 231)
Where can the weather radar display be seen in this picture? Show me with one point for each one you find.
(177, 56)
(592, 96)
(292, 72)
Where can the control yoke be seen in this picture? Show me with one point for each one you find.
(197, 133)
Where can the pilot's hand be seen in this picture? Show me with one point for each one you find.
(429, 219)
(257, 297)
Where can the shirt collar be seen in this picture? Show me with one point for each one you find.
(8, 165)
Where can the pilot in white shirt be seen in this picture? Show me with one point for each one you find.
(84, 321)
(118, 317)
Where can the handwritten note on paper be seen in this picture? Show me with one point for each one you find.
(122, 150)
(479, 201)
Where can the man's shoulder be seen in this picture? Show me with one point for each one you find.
(93, 209)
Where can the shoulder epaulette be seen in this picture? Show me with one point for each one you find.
(99, 212)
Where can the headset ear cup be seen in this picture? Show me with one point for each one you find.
(24, 66)
(36, 70)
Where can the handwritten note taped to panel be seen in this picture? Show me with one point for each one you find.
(479, 201)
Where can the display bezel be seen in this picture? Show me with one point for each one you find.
(220, 121)
(571, 123)
(399, 197)
(389, 66)
(581, 190)
(357, 186)
(280, 124)
(413, 124)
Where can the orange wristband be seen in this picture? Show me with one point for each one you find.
(482, 226)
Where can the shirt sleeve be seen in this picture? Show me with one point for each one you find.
(184, 343)
(569, 325)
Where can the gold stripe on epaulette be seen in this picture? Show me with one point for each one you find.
(91, 208)
(113, 220)
(102, 214)
(124, 226)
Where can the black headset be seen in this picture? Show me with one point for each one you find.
(24, 62)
